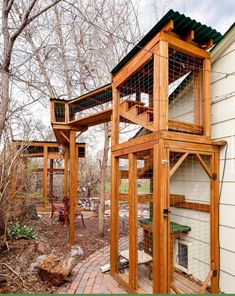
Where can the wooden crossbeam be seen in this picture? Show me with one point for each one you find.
(201, 161)
(178, 163)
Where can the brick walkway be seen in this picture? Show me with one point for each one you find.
(88, 279)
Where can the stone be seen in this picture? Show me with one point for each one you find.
(77, 250)
(41, 248)
(41, 258)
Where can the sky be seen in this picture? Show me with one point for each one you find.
(218, 14)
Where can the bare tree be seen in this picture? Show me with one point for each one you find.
(67, 50)
(12, 28)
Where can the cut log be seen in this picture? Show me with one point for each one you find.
(54, 269)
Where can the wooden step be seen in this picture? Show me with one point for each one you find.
(137, 113)
(146, 116)
(130, 103)
(141, 109)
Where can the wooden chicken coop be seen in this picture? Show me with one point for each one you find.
(164, 164)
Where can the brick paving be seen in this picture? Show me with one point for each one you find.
(88, 279)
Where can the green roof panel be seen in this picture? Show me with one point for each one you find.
(182, 25)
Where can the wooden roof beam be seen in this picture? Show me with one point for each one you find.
(189, 36)
(208, 44)
(168, 27)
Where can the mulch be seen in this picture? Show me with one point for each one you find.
(52, 237)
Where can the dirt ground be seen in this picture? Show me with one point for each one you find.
(52, 238)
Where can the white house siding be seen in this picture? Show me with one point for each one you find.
(223, 128)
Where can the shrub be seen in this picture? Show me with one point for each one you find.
(22, 231)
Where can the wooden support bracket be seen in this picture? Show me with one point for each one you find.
(63, 135)
(201, 161)
(202, 290)
(178, 163)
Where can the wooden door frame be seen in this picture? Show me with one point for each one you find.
(213, 174)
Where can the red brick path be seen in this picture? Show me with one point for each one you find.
(88, 279)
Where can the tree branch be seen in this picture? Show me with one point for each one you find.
(10, 5)
(27, 20)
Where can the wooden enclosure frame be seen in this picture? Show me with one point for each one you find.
(166, 135)
(162, 141)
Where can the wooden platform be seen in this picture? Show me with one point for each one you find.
(182, 283)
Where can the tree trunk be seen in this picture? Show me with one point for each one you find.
(5, 77)
(2, 222)
(103, 179)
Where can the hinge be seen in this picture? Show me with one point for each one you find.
(164, 161)
(214, 273)
(214, 176)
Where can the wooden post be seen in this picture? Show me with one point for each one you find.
(45, 158)
(206, 81)
(114, 215)
(66, 110)
(214, 224)
(73, 184)
(52, 111)
(51, 177)
(114, 186)
(160, 87)
(115, 117)
(133, 223)
(66, 167)
(161, 249)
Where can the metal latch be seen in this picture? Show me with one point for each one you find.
(166, 213)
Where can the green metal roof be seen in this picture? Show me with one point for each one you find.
(182, 25)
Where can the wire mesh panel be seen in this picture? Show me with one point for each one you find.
(123, 175)
(56, 178)
(91, 104)
(145, 220)
(123, 219)
(136, 103)
(185, 89)
(59, 109)
(189, 221)
(123, 239)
